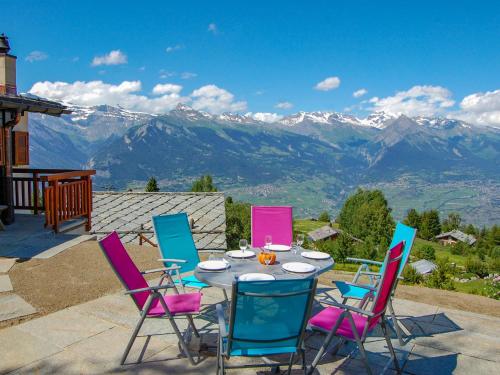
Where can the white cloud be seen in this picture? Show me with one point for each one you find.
(36, 56)
(167, 88)
(127, 95)
(212, 27)
(417, 101)
(480, 108)
(124, 94)
(166, 74)
(177, 47)
(359, 93)
(115, 57)
(264, 116)
(215, 100)
(188, 75)
(284, 105)
(328, 84)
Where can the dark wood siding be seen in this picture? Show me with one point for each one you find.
(21, 148)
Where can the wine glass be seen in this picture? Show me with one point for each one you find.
(294, 247)
(243, 245)
(267, 261)
(269, 241)
(300, 239)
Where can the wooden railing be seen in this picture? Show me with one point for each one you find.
(62, 194)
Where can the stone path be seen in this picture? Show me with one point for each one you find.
(90, 338)
(11, 305)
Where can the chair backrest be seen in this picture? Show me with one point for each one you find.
(276, 221)
(175, 240)
(406, 234)
(388, 281)
(269, 314)
(124, 267)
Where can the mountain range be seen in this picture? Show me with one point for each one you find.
(312, 160)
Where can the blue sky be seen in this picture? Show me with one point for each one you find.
(250, 56)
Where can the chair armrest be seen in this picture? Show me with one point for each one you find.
(347, 307)
(212, 251)
(366, 261)
(171, 268)
(169, 260)
(369, 273)
(364, 286)
(148, 289)
(222, 320)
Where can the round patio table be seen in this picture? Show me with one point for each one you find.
(224, 279)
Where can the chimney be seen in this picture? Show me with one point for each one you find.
(7, 68)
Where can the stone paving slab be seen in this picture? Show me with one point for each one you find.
(108, 347)
(68, 243)
(12, 306)
(464, 342)
(6, 264)
(64, 328)
(90, 338)
(424, 360)
(5, 284)
(19, 348)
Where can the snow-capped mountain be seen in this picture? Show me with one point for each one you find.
(375, 120)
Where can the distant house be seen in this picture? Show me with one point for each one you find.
(323, 233)
(452, 237)
(130, 213)
(423, 266)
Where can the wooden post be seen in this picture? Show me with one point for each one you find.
(88, 179)
(35, 193)
(55, 205)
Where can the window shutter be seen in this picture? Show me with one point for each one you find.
(21, 148)
(2, 148)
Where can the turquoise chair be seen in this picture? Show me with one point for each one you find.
(358, 291)
(176, 245)
(266, 318)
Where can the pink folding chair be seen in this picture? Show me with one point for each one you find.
(148, 299)
(276, 221)
(352, 323)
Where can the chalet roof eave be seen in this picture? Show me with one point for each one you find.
(37, 105)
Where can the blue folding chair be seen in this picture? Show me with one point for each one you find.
(358, 291)
(266, 318)
(176, 246)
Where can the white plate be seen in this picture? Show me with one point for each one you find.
(277, 248)
(213, 265)
(256, 277)
(240, 254)
(299, 267)
(315, 255)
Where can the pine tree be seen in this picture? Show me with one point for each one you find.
(452, 222)
(367, 216)
(152, 185)
(430, 226)
(324, 216)
(412, 218)
(204, 184)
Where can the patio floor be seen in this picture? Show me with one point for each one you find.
(90, 338)
(28, 238)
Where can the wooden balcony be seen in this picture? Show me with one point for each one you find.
(62, 194)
